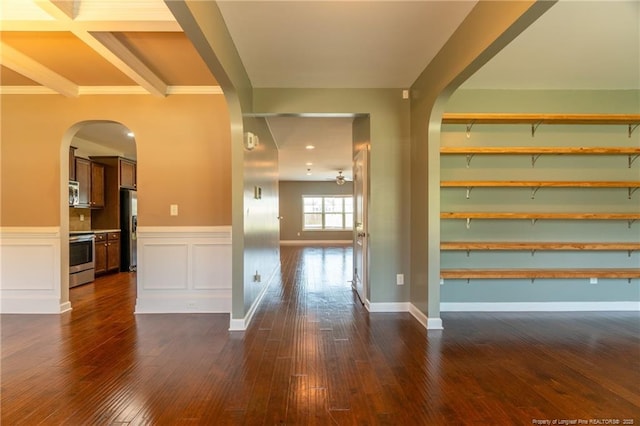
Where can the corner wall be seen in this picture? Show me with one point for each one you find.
(485, 31)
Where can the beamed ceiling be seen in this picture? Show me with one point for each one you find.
(85, 47)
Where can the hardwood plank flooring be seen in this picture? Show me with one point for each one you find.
(313, 356)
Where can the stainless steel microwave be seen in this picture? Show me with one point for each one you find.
(74, 193)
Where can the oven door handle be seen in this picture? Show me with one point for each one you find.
(77, 238)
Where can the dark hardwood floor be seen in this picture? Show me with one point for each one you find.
(313, 356)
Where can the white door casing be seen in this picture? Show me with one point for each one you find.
(360, 228)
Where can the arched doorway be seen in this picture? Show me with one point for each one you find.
(100, 178)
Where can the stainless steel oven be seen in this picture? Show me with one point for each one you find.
(81, 259)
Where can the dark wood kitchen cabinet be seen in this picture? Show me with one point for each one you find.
(107, 257)
(90, 175)
(97, 185)
(72, 163)
(83, 176)
(128, 178)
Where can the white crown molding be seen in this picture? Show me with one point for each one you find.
(194, 90)
(112, 90)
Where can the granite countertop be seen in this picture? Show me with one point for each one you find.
(92, 231)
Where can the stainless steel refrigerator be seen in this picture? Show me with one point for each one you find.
(128, 226)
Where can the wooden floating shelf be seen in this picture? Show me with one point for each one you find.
(539, 273)
(554, 215)
(546, 184)
(532, 150)
(508, 245)
(500, 118)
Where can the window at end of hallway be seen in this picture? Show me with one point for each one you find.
(327, 213)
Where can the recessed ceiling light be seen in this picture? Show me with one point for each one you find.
(308, 164)
(308, 173)
(310, 147)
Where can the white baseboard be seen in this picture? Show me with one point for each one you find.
(433, 323)
(185, 303)
(387, 306)
(428, 323)
(539, 306)
(418, 315)
(314, 242)
(241, 324)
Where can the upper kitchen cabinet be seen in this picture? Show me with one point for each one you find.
(72, 163)
(124, 169)
(127, 173)
(83, 176)
(97, 185)
(90, 175)
(119, 173)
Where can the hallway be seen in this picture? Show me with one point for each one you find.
(312, 355)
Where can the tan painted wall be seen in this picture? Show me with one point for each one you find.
(183, 151)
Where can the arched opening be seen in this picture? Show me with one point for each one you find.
(98, 208)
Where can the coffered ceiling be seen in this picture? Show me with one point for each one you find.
(93, 47)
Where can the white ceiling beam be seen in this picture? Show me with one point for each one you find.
(138, 26)
(109, 47)
(60, 10)
(37, 72)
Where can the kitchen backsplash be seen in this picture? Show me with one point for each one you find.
(75, 222)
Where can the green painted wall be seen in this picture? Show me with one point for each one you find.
(389, 174)
(547, 167)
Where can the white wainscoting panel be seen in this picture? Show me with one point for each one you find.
(211, 266)
(30, 270)
(164, 265)
(184, 269)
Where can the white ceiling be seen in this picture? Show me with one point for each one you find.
(339, 44)
(575, 45)
(331, 137)
(104, 138)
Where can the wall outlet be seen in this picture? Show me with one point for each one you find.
(441, 281)
(191, 305)
(81, 218)
(400, 279)
(593, 281)
(173, 210)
